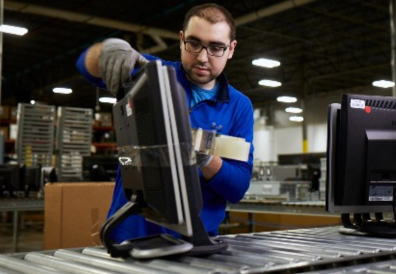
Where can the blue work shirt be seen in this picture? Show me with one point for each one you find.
(230, 113)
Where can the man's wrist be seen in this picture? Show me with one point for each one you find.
(210, 171)
(91, 61)
(205, 161)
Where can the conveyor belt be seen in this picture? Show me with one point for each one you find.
(321, 250)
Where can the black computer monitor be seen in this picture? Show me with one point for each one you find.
(100, 168)
(361, 162)
(9, 179)
(158, 166)
(30, 179)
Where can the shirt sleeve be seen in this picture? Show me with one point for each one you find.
(233, 179)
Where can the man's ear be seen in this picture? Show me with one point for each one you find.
(232, 48)
(181, 38)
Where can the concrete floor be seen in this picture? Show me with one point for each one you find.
(30, 235)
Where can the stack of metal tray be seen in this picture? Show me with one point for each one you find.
(319, 250)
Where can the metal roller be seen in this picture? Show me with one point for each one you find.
(265, 259)
(66, 266)
(292, 251)
(251, 262)
(281, 247)
(343, 251)
(286, 256)
(23, 266)
(388, 267)
(220, 266)
(8, 271)
(363, 248)
(159, 264)
(118, 266)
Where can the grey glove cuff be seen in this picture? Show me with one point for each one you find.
(116, 62)
(204, 160)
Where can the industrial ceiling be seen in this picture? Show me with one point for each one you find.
(324, 46)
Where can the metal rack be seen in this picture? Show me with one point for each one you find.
(73, 141)
(291, 251)
(34, 144)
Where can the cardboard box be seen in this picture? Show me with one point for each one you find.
(74, 213)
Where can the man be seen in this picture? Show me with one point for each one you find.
(207, 41)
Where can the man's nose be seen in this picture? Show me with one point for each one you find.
(203, 55)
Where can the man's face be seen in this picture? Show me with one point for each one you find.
(201, 68)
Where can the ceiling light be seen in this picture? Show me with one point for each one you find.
(110, 100)
(383, 84)
(13, 30)
(296, 118)
(267, 63)
(62, 90)
(270, 83)
(286, 99)
(293, 110)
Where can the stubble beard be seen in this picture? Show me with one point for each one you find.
(198, 79)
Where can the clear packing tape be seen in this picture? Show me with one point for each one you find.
(209, 142)
(156, 156)
(204, 142)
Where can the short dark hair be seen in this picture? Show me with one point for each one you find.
(212, 13)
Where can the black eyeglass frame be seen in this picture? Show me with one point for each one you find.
(205, 47)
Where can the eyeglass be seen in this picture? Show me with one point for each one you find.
(213, 50)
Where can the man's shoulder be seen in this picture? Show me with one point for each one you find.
(236, 95)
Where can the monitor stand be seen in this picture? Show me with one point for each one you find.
(365, 226)
(157, 245)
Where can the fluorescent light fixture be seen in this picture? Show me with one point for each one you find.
(13, 30)
(286, 99)
(109, 100)
(296, 118)
(293, 110)
(62, 90)
(267, 63)
(270, 83)
(383, 84)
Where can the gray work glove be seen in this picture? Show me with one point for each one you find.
(116, 62)
(203, 160)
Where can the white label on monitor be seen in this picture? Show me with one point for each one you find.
(128, 110)
(380, 193)
(357, 103)
(380, 199)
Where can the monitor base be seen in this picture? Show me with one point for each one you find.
(216, 246)
(364, 226)
(372, 229)
(157, 245)
(379, 229)
(351, 232)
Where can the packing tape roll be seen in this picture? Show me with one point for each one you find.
(231, 147)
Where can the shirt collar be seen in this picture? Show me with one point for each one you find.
(223, 94)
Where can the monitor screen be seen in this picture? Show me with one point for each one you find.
(361, 158)
(156, 155)
(9, 179)
(30, 179)
(100, 168)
